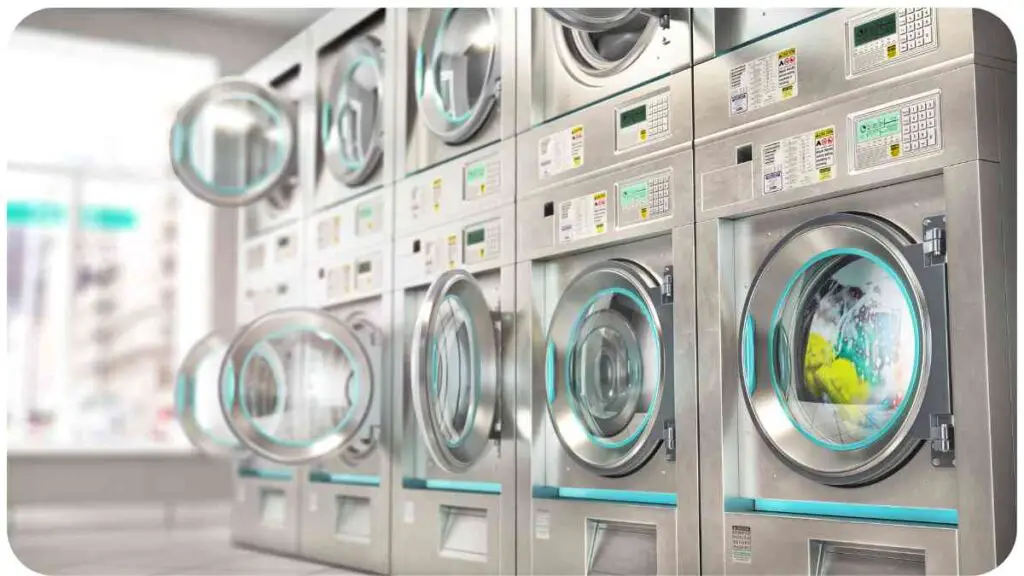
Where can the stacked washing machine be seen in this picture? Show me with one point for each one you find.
(607, 477)
(855, 280)
(454, 330)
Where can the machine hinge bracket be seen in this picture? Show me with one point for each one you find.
(934, 240)
(668, 287)
(942, 445)
(670, 440)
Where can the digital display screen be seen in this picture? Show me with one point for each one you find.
(363, 267)
(877, 28)
(474, 236)
(632, 116)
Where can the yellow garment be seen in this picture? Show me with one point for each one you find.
(836, 377)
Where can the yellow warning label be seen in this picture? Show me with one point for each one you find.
(437, 183)
(643, 213)
(894, 150)
(643, 134)
(787, 53)
(481, 252)
(437, 206)
(890, 52)
(787, 92)
(483, 188)
(600, 196)
(452, 239)
(825, 173)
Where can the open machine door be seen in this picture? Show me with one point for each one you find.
(455, 371)
(457, 72)
(351, 122)
(234, 143)
(608, 367)
(323, 400)
(196, 395)
(844, 349)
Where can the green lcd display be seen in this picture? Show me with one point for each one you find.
(474, 237)
(632, 116)
(363, 267)
(877, 28)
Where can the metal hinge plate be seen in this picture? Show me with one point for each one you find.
(934, 240)
(670, 440)
(941, 441)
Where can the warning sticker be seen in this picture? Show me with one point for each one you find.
(436, 189)
(741, 545)
(560, 151)
(583, 217)
(542, 525)
(800, 160)
(762, 82)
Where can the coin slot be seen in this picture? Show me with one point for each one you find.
(549, 209)
(416, 247)
(744, 153)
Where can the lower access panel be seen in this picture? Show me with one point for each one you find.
(264, 514)
(346, 525)
(442, 532)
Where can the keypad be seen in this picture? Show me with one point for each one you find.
(657, 113)
(659, 196)
(919, 126)
(902, 131)
(915, 28)
(645, 200)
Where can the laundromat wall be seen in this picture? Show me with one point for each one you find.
(793, 143)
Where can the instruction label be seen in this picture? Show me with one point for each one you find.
(436, 189)
(769, 79)
(409, 513)
(583, 217)
(800, 160)
(560, 151)
(741, 544)
(542, 525)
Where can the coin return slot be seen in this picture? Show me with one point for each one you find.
(856, 559)
(464, 533)
(620, 548)
(549, 209)
(744, 153)
(273, 507)
(352, 523)
(416, 247)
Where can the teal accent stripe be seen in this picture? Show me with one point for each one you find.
(866, 511)
(604, 495)
(452, 486)
(549, 372)
(749, 361)
(178, 142)
(264, 474)
(42, 214)
(349, 479)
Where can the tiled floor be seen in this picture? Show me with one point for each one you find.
(150, 551)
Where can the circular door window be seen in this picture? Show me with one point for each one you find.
(351, 122)
(601, 42)
(326, 394)
(454, 371)
(196, 395)
(606, 368)
(842, 349)
(234, 143)
(456, 72)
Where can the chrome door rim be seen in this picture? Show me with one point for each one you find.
(626, 451)
(579, 19)
(852, 235)
(362, 51)
(453, 130)
(244, 345)
(594, 68)
(459, 456)
(181, 147)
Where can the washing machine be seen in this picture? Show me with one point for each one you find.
(454, 412)
(265, 493)
(355, 70)
(235, 144)
(607, 475)
(456, 78)
(571, 58)
(855, 273)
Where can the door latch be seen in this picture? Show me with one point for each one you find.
(942, 444)
(934, 240)
(670, 440)
(668, 287)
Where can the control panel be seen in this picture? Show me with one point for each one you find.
(339, 279)
(438, 195)
(645, 199)
(482, 242)
(640, 122)
(880, 37)
(433, 251)
(896, 131)
(481, 178)
(369, 217)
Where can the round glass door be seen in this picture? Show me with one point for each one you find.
(234, 143)
(319, 406)
(351, 121)
(602, 42)
(834, 349)
(454, 371)
(457, 74)
(606, 368)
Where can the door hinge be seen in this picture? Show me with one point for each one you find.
(670, 440)
(934, 240)
(942, 444)
(668, 287)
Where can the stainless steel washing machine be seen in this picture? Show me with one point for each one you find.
(454, 412)
(236, 144)
(456, 79)
(607, 468)
(355, 67)
(856, 391)
(264, 509)
(571, 58)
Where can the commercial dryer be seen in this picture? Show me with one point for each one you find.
(355, 57)
(455, 424)
(855, 297)
(456, 83)
(607, 475)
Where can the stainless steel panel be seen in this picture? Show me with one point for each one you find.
(346, 526)
(598, 145)
(254, 526)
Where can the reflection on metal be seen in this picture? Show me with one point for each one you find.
(352, 117)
